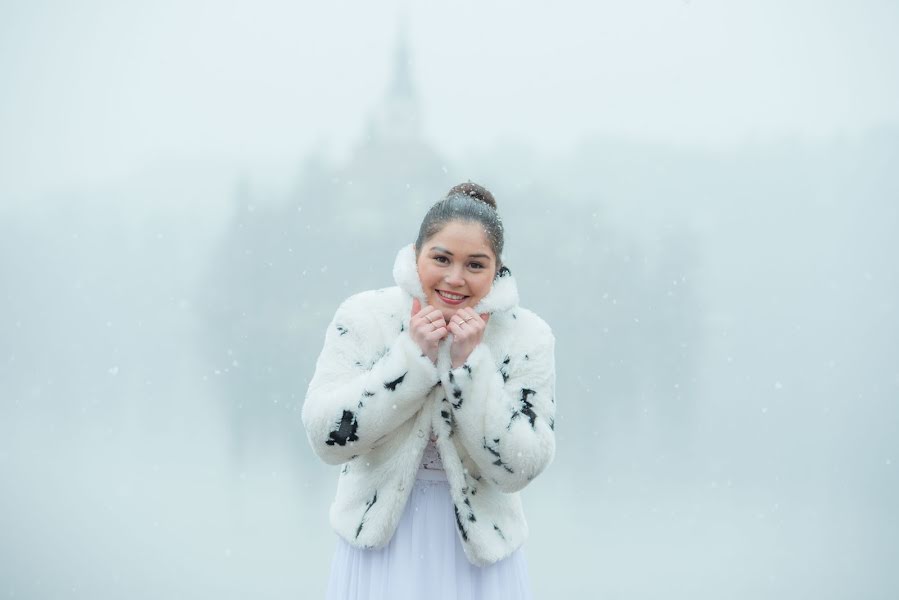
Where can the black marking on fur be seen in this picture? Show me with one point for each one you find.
(467, 368)
(346, 430)
(527, 406)
(514, 316)
(503, 368)
(503, 272)
(451, 378)
(402, 327)
(450, 420)
(471, 516)
(499, 531)
(368, 506)
(499, 461)
(341, 330)
(365, 394)
(391, 385)
(346, 467)
(552, 424)
(526, 357)
(459, 523)
(457, 394)
(527, 409)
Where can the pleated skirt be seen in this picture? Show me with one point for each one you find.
(424, 559)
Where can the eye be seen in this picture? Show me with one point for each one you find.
(441, 259)
(476, 265)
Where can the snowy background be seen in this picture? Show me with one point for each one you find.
(701, 198)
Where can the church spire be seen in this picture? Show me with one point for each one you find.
(402, 70)
(396, 119)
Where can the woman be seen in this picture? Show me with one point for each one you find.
(437, 396)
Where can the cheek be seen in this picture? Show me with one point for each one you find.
(429, 280)
(481, 288)
(424, 276)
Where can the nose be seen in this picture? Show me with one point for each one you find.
(454, 277)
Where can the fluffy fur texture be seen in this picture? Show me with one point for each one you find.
(375, 396)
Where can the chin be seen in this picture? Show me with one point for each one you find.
(448, 313)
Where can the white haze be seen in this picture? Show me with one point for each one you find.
(699, 197)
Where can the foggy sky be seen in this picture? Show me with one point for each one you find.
(96, 91)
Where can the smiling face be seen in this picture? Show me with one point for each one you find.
(456, 267)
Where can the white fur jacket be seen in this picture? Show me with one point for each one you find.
(375, 397)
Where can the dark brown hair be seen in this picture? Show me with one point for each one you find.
(465, 202)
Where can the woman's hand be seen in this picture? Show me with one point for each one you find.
(467, 328)
(427, 328)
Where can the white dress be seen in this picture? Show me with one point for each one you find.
(424, 558)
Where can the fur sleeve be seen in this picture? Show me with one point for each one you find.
(362, 389)
(504, 411)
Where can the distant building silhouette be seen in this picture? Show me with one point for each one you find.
(282, 269)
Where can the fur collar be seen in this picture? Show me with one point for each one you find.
(501, 297)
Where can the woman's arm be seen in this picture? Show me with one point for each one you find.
(505, 417)
(362, 389)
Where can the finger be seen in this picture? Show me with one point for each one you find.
(472, 319)
(427, 314)
(485, 317)
(435, 317)
(458, 332)
(437, 334)
(416, 306)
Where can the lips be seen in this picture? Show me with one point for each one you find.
(450, 298)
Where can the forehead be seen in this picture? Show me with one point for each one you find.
(461, 237)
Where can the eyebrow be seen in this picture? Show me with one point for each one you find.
(445, 251)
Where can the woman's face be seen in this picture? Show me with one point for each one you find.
(456, 267)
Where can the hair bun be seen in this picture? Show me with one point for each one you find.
(478, 192)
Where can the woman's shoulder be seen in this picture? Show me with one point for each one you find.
(524, 324)
(382, 302)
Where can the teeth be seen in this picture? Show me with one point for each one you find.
(451, 296)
